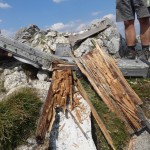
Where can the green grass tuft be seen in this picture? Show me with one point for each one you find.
(142, 88)
(18, 115)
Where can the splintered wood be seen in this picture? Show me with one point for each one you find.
(59, 93)
(109, 83)
(62, 95)
(111, 86)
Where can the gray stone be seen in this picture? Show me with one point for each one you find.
(19, 33)
(42, 75)
(51, 34)
(12, 90)
(84, 48)
(111, 39)
(141, 142)
(37, 36)
(61, 39)
(34, 43)
(66, 135)
(15, 79)
(31, 141)
(135, 68)
(7, 72)
(41, 85)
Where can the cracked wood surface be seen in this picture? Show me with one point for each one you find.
(59, 93)
(110, 84)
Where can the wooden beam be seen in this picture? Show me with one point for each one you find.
(94, 112)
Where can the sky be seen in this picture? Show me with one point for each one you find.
(59, 15)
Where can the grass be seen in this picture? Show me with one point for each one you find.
(18, 115)
(115, 126)
(142, 88)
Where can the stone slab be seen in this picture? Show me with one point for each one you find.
(133, 68)
(75, 39)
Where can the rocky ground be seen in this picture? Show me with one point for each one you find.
(15, 74)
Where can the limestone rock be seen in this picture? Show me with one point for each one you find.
(109, 39)
(61, 39)
(41, 85)
(66, 135)
(42, 75)
(84, 48)
(15, 79)
(51, 34)
(141, 142)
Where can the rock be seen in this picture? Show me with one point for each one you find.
(16, 89)
(19, 33)
(46, 41)
(26, 35)
(15, 79)
(50, 41)
(22, 147)
(42, 75)
(7, 72)
(35, 43)
(17, 68)
(37, 36)
(111, 39)
(53, 47)
(84, 48)
(31, 141)
(61, 39)
(141, 142)
(40, 85)
(108, 39)
(66, 134)
(51, 34)
(32, 29)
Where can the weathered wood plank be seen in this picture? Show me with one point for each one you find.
(94, 112)
(59, 92)
(75, 39)
(110, 84)
(30, 54)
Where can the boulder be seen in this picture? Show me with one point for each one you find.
(109, 39)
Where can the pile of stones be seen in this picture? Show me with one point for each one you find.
(110, 39)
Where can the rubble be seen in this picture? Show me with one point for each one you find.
(46, 41)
